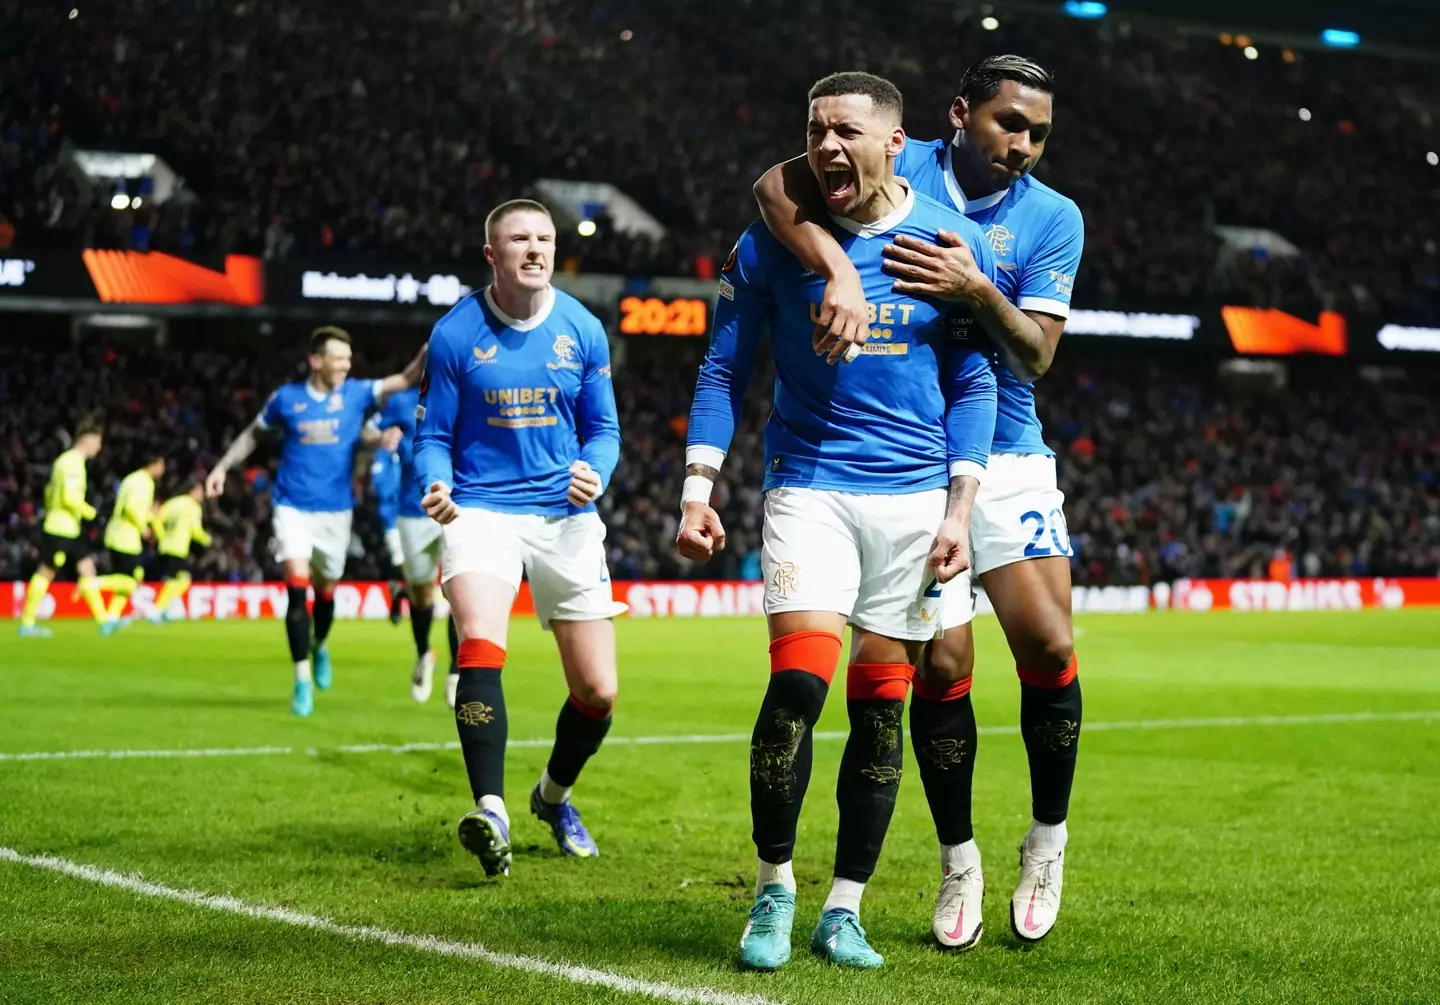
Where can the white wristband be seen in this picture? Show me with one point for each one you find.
(697, 489)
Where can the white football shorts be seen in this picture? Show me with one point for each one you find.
(861, 555)
(393, 549)
(1019, 515)
(420, 544)
(322, 539)
(563, 556)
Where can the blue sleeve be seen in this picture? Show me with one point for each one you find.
(438, 411)
(913, 157)
(739, 321)
(270, 414)
(1048, 276)
(392, 414)
(597, 418)
(983, 254)
(970, 408)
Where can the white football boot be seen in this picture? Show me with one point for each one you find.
(1036, 903)
(423, 676)
(452, 681)
(958, 923)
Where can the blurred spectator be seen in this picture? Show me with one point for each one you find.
(1167, 472)
(305, 129)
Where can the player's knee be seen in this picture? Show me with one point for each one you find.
(597, 697)
(1051, 655)
(946, 662)
(423, 594)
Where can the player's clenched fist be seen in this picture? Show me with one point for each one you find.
(584, 484)
(950, 555)
(215, 484)
(701, 535)
(438, 505)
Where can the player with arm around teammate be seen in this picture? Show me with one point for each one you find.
(858, 461)
(518, 436)
(1002, 119)
(322, 422)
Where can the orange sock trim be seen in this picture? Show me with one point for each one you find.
(325, 594)
(817, 653)
(480, 653)
(936, 691)
(297, 582)
(878, 681)
(589, 711)
(1050, 681)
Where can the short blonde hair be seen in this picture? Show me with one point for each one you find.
(503, 210)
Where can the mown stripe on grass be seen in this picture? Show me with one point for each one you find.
(1218, 722)
(365, 933)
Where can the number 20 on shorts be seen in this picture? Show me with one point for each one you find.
(1059, 534)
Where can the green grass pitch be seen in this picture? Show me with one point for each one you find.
(1248, 859)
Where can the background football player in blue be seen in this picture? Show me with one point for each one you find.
(385, 487)
(322, 420)
(518, 436)
(857, 461)
(1002, 120)
(419, 540)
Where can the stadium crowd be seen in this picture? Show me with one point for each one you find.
(1168, 472)
(316, 129)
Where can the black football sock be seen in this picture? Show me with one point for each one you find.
(483, 727)
(579, 731)
(943, 732)
(297, 622)
(324, 615)
(420, 619)
(454, 637)
(780, 759)
(1050, 723)
(871, 766)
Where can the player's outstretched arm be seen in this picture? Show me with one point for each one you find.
(794, 211)
(241, 448)
(435, 431)
(406, 378)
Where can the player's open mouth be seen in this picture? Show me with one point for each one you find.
(839, 182)
(533, 267)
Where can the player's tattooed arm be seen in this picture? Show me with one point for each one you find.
(950, 554)
(948, 271)
(703, 470)
(794, 211)
(241, 448)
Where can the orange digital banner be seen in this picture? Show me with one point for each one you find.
(149, 277)
(722, 599)
(1297, 595)
(1270, 332)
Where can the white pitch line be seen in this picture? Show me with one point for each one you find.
(364, 933)
(699, 738)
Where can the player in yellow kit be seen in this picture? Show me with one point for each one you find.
(179, 522)
(126, 532)
(62, 551)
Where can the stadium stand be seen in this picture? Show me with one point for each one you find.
(1168, 470)
(341, 128)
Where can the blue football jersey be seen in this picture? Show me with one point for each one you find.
(507, 406)
(399, 411)
(321, 433)
(385, 483)
(1036, 235)
(919, 400)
